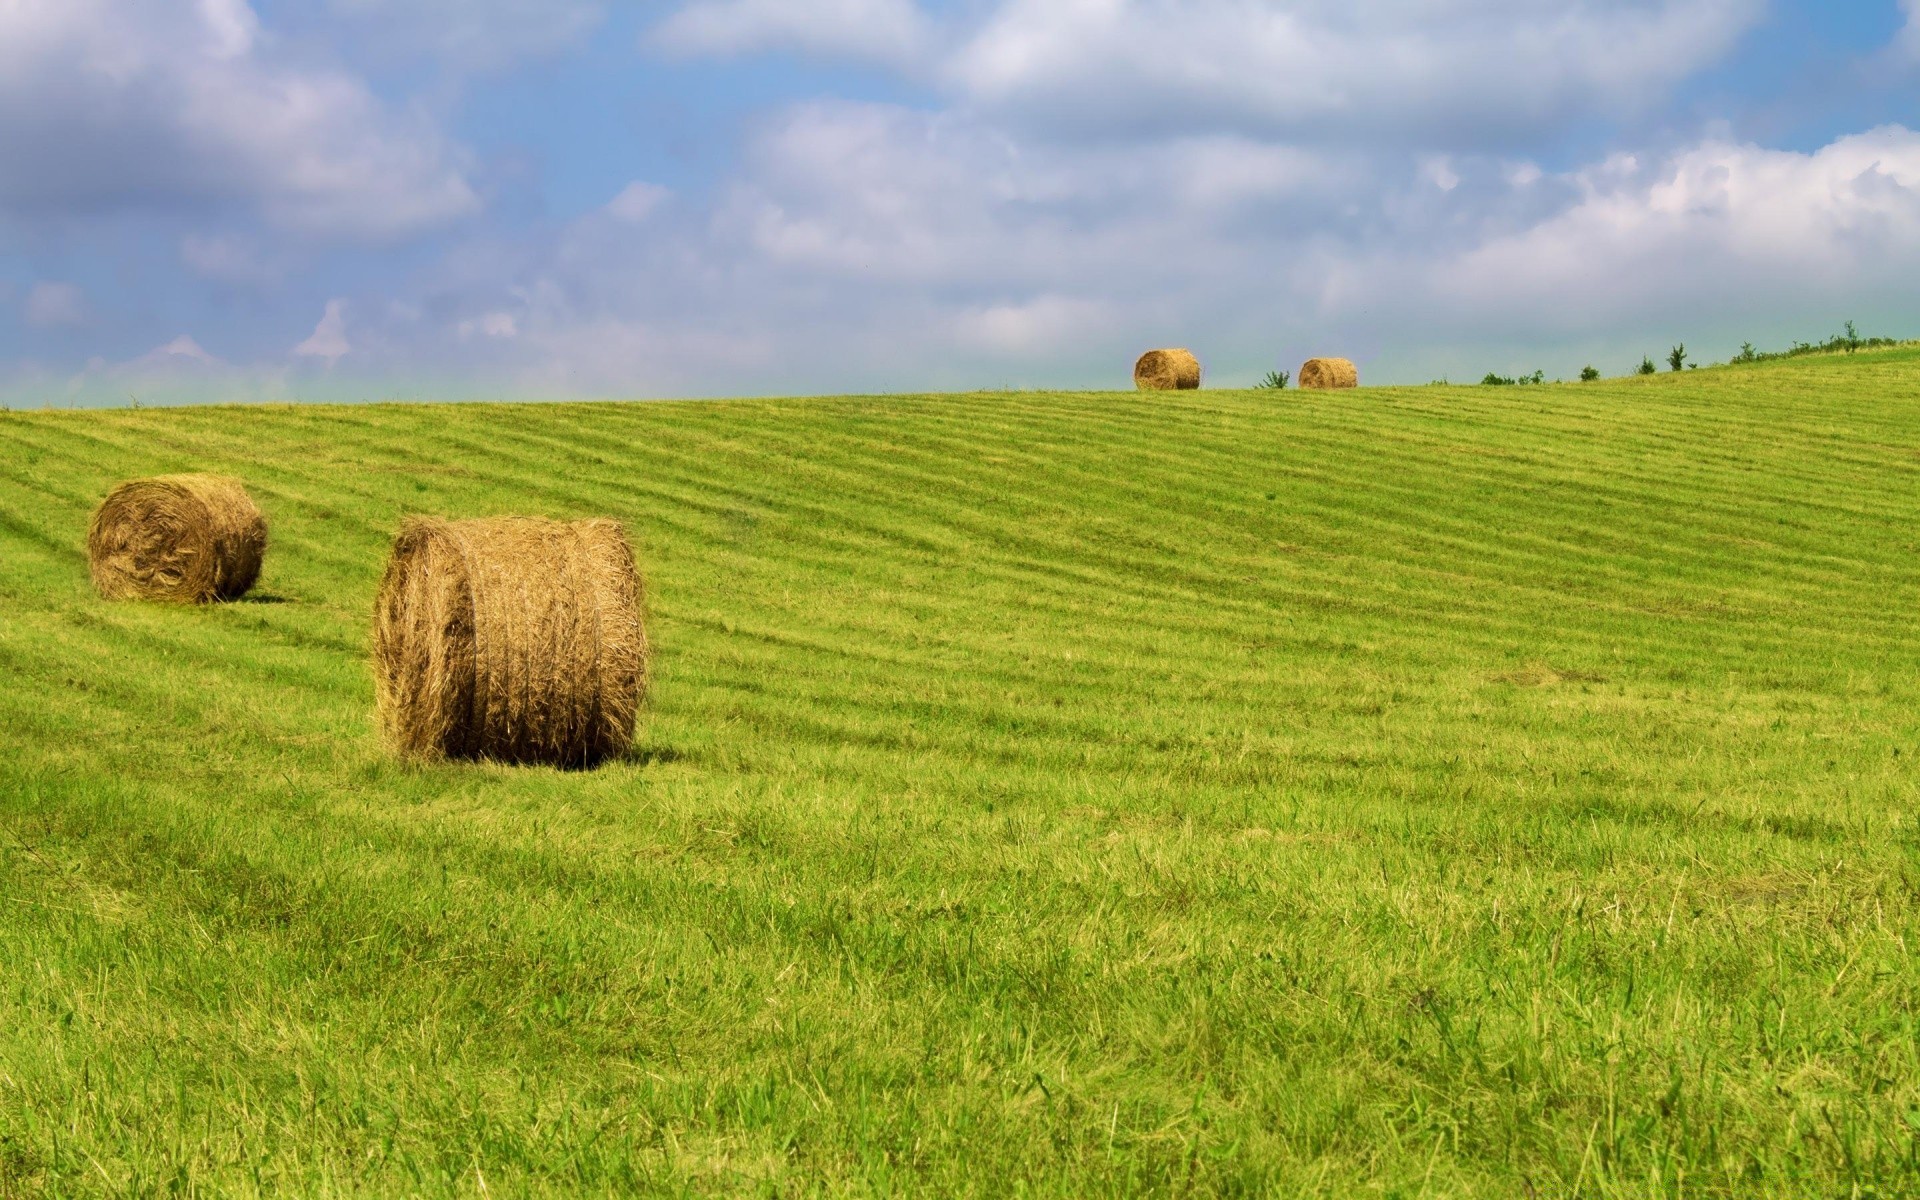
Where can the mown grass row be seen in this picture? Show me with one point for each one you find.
(1477, 791)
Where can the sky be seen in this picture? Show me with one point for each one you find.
(217, 200)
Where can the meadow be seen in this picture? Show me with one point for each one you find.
(1439, 791)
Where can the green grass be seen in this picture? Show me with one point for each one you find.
(1431, 791)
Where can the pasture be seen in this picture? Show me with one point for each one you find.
(1445, 791)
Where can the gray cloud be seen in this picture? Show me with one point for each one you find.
(1469, 74)
(1464, 75)
(934, 250)
(110, 105)
(1100, 182)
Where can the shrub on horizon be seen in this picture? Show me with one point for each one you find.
(1494, 380)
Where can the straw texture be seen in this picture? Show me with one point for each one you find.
(1329, 373)
(1166, 371)
(514, 639)
(186, 539)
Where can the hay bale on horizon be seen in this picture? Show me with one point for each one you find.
(188, 539)
(1328, 373)
(1166, 371)
(512, 639)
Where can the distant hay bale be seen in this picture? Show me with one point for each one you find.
(513, 639)
(1166, 371)
(189, 539)
(1328, 373)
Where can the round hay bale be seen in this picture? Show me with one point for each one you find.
(1166, 371)
(1328, 373)
(189, 539)
(513, 639)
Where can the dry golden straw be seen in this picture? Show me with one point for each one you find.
(1166, 371)
(514, 639)
(190, 539)
(1328, 373)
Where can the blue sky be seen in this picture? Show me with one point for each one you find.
(339, 199)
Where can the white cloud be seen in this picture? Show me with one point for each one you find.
(1439, 171)
(637, 201)
(122, 104)
(230, 259)
(882, 30)
(182, 347)
(493, 325)
(1471, 72)
(473, 34)
(938, 250)
(894, 196)
(981, 245)
(1906, 44)
(180, 371)
(1729, 240)
(52, 305)
(231, 25)
(329, 338)
(1029, 328)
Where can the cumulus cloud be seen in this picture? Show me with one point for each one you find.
(182, 347)
(1258, 181)
(637, 201)
(1026, 327)
(493, 325)
(179, 371)
(329, 338)
(1474, 72)
(1906, 44)
(53, 305)
(128, 104)
(1722, 227)
(889, 194)
(230, 259)
(937, 250)
(895, 31)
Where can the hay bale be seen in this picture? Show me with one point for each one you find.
(513, 639)
(1166, 371)
(1328, 373)
(189, 539)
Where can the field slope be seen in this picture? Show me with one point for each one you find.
(1444, 791)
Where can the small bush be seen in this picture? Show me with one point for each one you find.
(1275, 380)
(1847, 341)
(1493, 380)
(1647, 367)
(1588, 374)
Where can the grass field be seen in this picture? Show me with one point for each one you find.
(1432, 791)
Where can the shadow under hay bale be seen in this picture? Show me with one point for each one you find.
(1329, 373)
(1166, 371)
(512, 639)
(188, 539)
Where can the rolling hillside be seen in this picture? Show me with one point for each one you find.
(1448, 791)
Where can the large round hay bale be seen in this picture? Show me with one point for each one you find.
(1166, 371)
(513, 639)
(190, 539)
(1328, 373)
